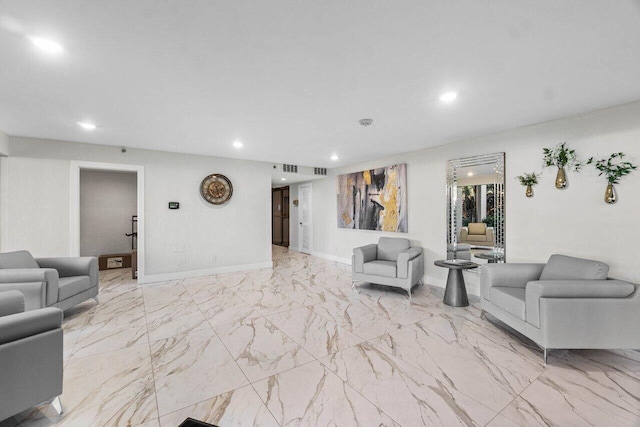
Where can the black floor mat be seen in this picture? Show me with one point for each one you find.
(190, 422)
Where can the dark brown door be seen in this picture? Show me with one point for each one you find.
(280, 216)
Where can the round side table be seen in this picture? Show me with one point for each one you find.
(490, 256)
(455, 294)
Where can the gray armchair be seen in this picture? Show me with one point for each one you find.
(49, 282)
(568, 303)
(30, 355)
(391, 262)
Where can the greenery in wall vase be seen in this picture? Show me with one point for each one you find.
(528, 180)
(614, 169)
(562, 157)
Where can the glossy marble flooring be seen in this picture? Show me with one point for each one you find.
(296, 346)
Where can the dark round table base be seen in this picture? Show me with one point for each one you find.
(455, 294)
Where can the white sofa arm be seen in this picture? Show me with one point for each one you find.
(579, 289)
(363, 254)
(507, 275)
(464, 232)
(73, 266)
(403, 261)
(23, 325)
(491, 238)
(15, 278)
(11, 302)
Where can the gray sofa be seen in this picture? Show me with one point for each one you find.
(391, 262)
(49, 282)
(567, 303)
(30, 355)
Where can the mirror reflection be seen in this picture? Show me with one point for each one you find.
(475, 211)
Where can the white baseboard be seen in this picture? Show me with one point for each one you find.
(152, 278)
(332, 258)
(433, 281)
(294, 249)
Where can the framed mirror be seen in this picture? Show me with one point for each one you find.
(476, 208)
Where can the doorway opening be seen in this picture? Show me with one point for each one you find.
(280, 216)
(109, 218)
(107, 215)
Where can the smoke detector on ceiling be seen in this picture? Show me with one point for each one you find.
(365, 122)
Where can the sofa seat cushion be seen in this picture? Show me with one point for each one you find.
(70, 286)
(561, 267)
(380, 268)
(511, 300)
(476, 238)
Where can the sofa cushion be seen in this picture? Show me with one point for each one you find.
(380, 268)
(511, 300)
(476, 238)
(70, 286)
(477, 228)
(390, 247)
(561, 267)
(18, 259)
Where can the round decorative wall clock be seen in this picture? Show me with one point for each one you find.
(216, 189)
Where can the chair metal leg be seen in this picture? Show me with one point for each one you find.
(57, 405)
(353, 285)
(96, 299)
(546, 353)
(409, 290)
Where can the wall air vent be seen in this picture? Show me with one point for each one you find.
(290, 168)
(320, 171)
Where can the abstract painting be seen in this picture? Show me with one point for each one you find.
(374, 199)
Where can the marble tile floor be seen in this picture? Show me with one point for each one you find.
(294, 345)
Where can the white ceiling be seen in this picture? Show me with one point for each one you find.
(291, 78)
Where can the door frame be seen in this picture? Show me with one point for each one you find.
(74, 205)
(300, 216)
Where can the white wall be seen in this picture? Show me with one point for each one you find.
(4, 151)
(238, 233)
(107, 202)
(4, 144)
(574, 221)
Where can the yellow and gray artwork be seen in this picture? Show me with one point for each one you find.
(374, 199)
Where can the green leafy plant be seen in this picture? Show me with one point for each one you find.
(528, 178)
(562, 157)
(490, 220)
(613, 167)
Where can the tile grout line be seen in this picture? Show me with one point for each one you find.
(326, 368)
(280, 272)
(514, 399)
(153, 371)
(401, 326)
(346, 383)
(229, 352)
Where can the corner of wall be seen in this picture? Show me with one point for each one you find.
(4, 144)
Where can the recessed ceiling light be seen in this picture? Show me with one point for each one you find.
(86, 125)
(237, 144)
(334, 157)
(448, 96)
(470, 174)
(46, 45)
(283, 179)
